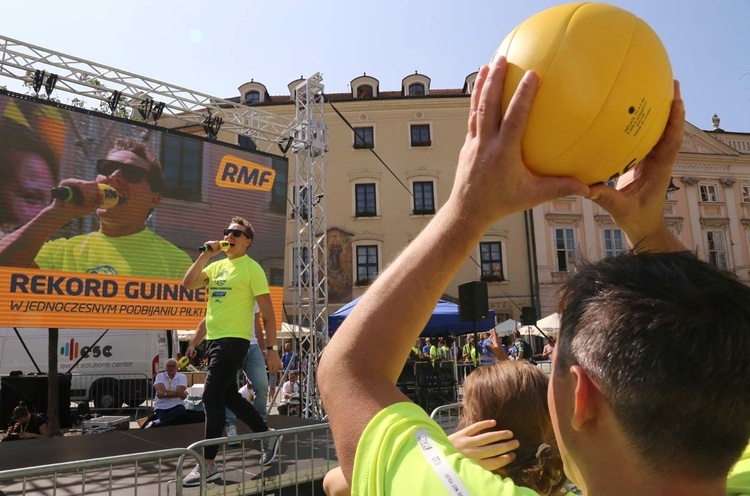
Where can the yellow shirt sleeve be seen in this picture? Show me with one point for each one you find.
(403, 451)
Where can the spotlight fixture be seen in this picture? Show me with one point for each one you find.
(212, 125)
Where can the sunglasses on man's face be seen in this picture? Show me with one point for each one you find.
(234, 232)
(131, 173)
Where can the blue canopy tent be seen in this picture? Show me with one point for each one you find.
(444, 321)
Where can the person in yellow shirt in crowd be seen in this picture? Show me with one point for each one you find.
(636, 421)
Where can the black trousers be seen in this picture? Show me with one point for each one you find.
(225, 358)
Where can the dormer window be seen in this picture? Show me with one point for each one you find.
(252, 97)
(416, 89)
(415, 85)
(469, 83)
(253, 93)
(364, 91)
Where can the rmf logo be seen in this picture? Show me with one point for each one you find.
(237, 173)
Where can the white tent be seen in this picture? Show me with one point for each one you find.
(550, 323)
(506, 328)
(288, 331)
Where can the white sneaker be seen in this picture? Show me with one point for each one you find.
(270, 448)
(231, 430)
(194, 477)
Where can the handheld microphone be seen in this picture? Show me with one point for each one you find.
(73, 195)
(223, 246)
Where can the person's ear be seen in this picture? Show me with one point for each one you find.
(155, 199)
(586, 398)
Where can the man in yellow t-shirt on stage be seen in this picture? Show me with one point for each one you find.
(234, 285)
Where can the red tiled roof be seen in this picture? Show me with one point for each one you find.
(342, 97)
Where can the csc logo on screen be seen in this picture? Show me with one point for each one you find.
(237, 173)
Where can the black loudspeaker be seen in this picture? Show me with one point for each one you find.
(473, 301)
(528, 316)
(32, 390)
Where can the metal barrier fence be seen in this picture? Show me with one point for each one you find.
(138, 473)
(447, 416)
(111, 391)
(305, 455)
(311, 450)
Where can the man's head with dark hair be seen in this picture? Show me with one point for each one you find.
(155, 175)
(664, 340)
(132, 170)
(247, 226)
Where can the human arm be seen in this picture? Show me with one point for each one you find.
(195, 277)
(260, 334)
(198, 336)
(20, 248)
(495, 347)
(41, 425)
(361, 363)
(637, 204)
(273, 362)
(161, 388)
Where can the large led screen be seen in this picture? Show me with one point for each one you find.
(70, 265)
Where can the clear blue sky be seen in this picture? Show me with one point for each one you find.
(214, 47)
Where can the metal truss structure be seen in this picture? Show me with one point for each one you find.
(307, 136)
(310, 144)
(148, 99)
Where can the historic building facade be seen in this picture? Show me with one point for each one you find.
(710, 213)
(391, 165)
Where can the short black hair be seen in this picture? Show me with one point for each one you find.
(154, 175)
(667, 339)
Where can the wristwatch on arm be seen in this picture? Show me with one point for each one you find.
(274, 348)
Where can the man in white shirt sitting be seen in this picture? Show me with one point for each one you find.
(290, 393)
(171, 389)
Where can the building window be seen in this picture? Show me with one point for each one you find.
(182, 163)
(708, 193)
(300, 266)
(717, 252)
(367, 264)
(364, 137)
(613, 245)
(745, 193)
(364, 197)
(565, 246)
(252, 97)
(424, 198)
(420, 135)
(491, 260)
(416, 89)
(364, 91)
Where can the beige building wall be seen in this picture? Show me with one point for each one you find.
(710, 214)
(394, 225)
